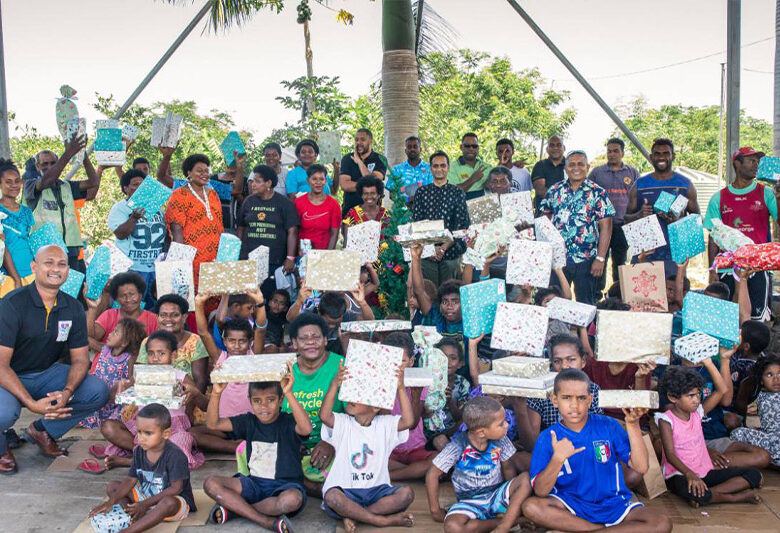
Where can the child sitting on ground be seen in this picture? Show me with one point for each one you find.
(767, 372)
(483, 476)
(575, 469)
(358, 487)
(123, 436)
(276, 311)
(237, 335)
(410, 459)
(114, 364)
(686, 465)
(274, 487)
(443, 423)
(157, 488)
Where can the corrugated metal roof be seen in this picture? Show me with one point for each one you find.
(706, 184)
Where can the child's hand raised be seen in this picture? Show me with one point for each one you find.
(646, 368)
(341, 375)
(201, 298)
(563, 449)
(256, 294)
(218, 388)
(399, 373)
(288, 379)
(634, 414)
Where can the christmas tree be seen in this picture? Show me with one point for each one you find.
(393, 270)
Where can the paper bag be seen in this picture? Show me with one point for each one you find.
(653, 483)
(643, 286)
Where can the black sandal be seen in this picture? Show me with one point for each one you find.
(283, 525)
(226, 515)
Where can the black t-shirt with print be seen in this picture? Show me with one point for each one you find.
(273, 450)
(373, 163)
(154, 478)
(266, 223)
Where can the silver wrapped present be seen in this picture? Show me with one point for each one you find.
(175, 277)
(371, 374)
(261, 256)
(545, 381)
(571, 312)
(333, 270)
(520, 328)
(522, 367)
(696, 347)
(371, 326)
(181, 252)
(484, 209)
(679, 205)
(502, 390)
(617, 399)
(228, 277)
(129, 397)
(156, 391)
(251, 368)
(166, 131)
(418, 377)
(632, 337)
(154, 375)
(547, 232)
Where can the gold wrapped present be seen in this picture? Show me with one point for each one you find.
(418, 377)
(502, 390)
(155, 391)
(371, 326)
(522, 367)
(333, 270)
(545, 381)
(251, 368)
(609, 399)
(154, 375)
(484, 209)
(632, 337)
(228, 277)
(129, 397)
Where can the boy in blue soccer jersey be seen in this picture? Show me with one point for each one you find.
(575, 468)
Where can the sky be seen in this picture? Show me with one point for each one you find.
(108, 46)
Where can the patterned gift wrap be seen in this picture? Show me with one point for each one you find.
(230, 277)
(250, 368)
(617, 399)
(261, 256)
(119, 261)
(686, 238)
(150, 196)
(769, 169)
(109, 158)
(423, 226)
(664, 202)
(521, 367)
(98, 272)
(232, 143)
(571, 312)
(78, 127)
(643, 285)
(45, 235)
(175, 277)
(418, 377)
(371, 374)
(429, 250)
(519, 392)
(518, 206)
(644, 235)
(371, 326)
(488, 238)
(129, 397)
(760, 257)
(330, 145)
(181, 252)
(154, 375)
(333, 270)
(165, 392)
(114, 521)
(679, 205)
(166, 131)
(546, 232)
(713, 316)
(424, 237)
(478, 302)
(364, 238)
(696, 347)
(484, 209)
(545, 381)
(632, 337)
(529, 263)
(129, 132)
(727, 238)
(520, 328)
(229, 248)
(72, 285)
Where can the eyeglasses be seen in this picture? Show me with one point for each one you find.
(470, 146)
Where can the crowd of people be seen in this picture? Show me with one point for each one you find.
(562, 462)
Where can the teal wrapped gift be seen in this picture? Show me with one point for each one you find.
(44, 236)
(108, 140)
(664, 202)
(232, 143)
(686, 238)
(713, 316)
(98, 272)
(150, 196)
(73, 284)
(229, 248)
(478, 302)
(769, 169)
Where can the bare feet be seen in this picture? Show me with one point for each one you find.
(401, 519)
(349, 525)
(113, 461)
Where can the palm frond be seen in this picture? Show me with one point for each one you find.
(433, 32)
(228, 13)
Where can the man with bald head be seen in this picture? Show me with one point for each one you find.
(39, 327)
(548, 172)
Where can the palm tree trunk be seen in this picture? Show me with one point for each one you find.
(309, 68)
(400, 87)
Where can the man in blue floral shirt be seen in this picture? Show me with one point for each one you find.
(414, 172)
(582, 213)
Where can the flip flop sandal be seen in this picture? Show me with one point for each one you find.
(97, 451)
(283, 525)
(91, 466)
(225, 515)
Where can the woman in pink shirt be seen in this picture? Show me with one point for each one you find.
(319, 213)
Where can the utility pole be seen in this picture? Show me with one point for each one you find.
(733, 36)
(720, 124)
(5, 138)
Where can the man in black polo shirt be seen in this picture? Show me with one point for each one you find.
(39, 325)
(362, 162)
(548, 172)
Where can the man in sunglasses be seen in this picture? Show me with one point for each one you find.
(468, 172)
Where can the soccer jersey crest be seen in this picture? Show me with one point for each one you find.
(602, 450)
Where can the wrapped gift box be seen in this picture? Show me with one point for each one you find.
(571, 312)
(45, 235)
(545, 381)
(330, 146)
(154, 375)
(371, 326)
(478, 302)
(166, 131)
(129, 397)
(251, 368)
(643, 285)
(150, 196)
(663, 203)
(260, 255)
(696, 347)
(333, 270)
(229, 248)
(114, 521)
(156, 391)
(175, 277)
(727, 238)
(78, 127)
(769, 169)
(686, 238)
(98, 272)
(529, 263)
(429, 250)
(488, 238)
(760, 257)
(632, 337)
(520, 328)
(72, 285)
(418, 377)
(364, 238)
(519, 392)
(713, 316)
(521, 367)
(119, 261)
(484, 209)
(679, 205)
(371, 374)
(518, 206)
(129, 132)
(421, 226)
(546, 232)
(230, 277)
(232, 143)
(424, 237)
(110, 158)
(181, 252)
(617, 399)
(644, 235)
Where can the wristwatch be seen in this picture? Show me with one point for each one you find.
(599, 258)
